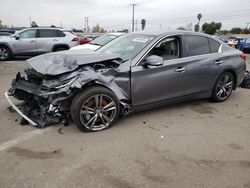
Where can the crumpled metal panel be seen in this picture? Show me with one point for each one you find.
(47, 101)
(67, 61)
(115, 79)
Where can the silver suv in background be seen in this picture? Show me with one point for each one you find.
(35, 41)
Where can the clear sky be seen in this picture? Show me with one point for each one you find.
(115, 14)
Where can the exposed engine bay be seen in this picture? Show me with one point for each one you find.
(47, 89)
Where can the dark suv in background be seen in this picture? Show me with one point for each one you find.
(35, 41)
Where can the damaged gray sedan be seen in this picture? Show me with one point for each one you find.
(134, 72)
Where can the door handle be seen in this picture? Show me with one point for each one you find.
(32, 41)
(218, 62)
(180, 69)
(54, 40)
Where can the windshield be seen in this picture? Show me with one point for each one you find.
(104, 39)
(128, 45)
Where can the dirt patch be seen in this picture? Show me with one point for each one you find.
(118, 182)
(102, 173)
(203, 109)
(146, 173)
(26, 153)
(235, 146)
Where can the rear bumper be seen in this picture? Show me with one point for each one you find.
(17, 110)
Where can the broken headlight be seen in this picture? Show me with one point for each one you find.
(60, 82)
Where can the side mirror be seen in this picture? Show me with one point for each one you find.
(17, 37)
(153, 60)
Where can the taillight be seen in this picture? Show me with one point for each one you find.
(243, 56)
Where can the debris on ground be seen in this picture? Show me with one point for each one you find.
(246, 80)
(60, 130)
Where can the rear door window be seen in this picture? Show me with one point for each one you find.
(197, 45)
(214, 45)
(50, 33)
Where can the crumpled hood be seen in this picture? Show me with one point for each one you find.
(67, 61)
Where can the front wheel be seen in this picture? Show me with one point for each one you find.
(223, 87)
(95, 109)
(5, 53)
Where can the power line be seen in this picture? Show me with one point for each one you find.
(217, 16)
(211, 15)
(119, 9)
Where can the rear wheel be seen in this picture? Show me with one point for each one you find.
(95, 109)
(223, 87)
(5, 53)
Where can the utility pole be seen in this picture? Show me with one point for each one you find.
(86, 25)
(30, 21)
(133, 16)
(135, 25)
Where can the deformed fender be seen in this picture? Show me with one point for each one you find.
(115, 79)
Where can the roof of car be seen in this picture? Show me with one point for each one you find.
(52, 28)
(169, 32)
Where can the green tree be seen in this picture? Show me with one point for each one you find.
(211, 28)
(199, 16)
(0, 23)
(224, 32)
(236, 30)
(246, 31)
(77, 30)
(197, 26)
(98, 29)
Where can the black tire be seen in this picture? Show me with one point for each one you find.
(223, 87)
(5, 53)
(84, 108)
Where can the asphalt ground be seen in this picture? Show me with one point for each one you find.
(194, 144)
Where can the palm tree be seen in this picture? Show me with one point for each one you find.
(197, 26)
(143, 24)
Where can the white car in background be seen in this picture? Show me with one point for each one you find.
(98, 42)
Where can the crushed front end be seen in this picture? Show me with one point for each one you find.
(46, 99)
(48, 88)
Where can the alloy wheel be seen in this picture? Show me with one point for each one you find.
(224, 87)
(3, 53)
(97, 112)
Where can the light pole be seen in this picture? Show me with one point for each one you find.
(86, 25)
(30, 21)
(133, 16)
